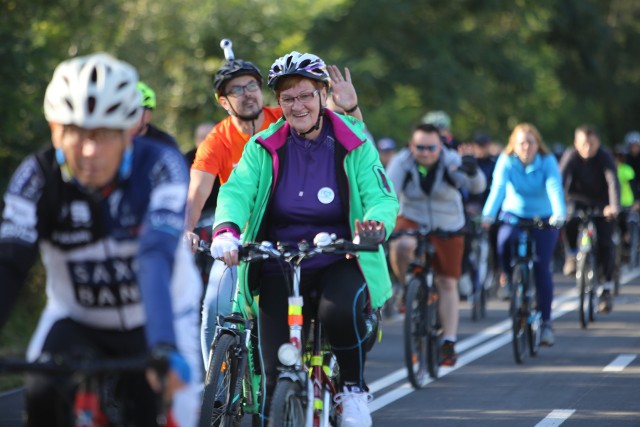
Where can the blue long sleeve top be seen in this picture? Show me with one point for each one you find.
(530, 191)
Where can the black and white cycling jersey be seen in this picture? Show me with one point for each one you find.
(112, 256)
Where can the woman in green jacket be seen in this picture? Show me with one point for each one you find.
(312, 171)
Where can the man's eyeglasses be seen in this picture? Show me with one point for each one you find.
(236, 91)
(305, 98)
(429, 148)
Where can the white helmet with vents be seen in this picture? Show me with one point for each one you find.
(94, 91)
(302, 64)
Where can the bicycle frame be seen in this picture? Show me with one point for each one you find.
(292, 356)
(525, 316)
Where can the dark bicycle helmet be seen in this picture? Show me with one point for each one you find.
(233, 68)
(302, 64)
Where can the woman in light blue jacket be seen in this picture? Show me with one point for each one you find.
(527, 184)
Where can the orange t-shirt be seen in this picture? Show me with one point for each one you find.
(221, 150)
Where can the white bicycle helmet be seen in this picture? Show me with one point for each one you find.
(439, 119)
(94, 91)
(631, 138)
(296, 63)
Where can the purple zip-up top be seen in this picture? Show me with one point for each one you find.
(306, 200)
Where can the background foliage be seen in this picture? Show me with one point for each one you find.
(490, 64)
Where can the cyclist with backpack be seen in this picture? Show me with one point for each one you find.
(428, 177)
(106, 215)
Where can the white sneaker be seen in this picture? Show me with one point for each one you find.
(355, 409)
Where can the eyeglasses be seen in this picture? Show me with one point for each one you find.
(429, 148)
(236, 91)
(305, 98)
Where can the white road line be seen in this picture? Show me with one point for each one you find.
(619, 363)
(10, 392)
(556, 417)
(496, 336)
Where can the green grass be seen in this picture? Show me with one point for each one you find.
(15, 335)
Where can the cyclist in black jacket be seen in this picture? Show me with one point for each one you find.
(590, 180)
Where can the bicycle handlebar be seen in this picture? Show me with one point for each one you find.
(424, 232)
(267, 250)
(585, 214)
(70, 366)
(530, 223)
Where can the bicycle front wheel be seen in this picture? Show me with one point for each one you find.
(518, 313)
(584, 276)
(634, 246)
(415, 332)
(534, 321)
(218, 394)
(288, 405)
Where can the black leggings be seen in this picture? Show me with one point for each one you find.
(340, 295)
(49, 399)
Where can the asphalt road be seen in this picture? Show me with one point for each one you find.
(590, 377)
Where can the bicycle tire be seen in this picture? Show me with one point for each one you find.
(434, 329)
(534, 321)
(288, 405)
(617, 263)
(634, 237)
(416, 333)
(217, 381)
(583, 270)
(518, 314)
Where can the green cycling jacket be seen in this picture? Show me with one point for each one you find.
(363, 187)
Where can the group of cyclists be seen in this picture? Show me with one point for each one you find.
(113, 209)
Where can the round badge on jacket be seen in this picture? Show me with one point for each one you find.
(326, 195)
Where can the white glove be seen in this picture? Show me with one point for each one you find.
(224, 243)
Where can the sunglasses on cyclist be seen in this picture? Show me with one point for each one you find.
(429, 148)
(236, 91)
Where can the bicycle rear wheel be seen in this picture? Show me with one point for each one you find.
(518, 312)
(416, 333)
(217, 394)
(288, 405)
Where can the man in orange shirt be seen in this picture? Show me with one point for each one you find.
(237, 85)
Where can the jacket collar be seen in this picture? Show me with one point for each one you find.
(344, 128)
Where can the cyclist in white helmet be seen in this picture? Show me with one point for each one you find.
(106, 215)
(238, 89)
(312, 171)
